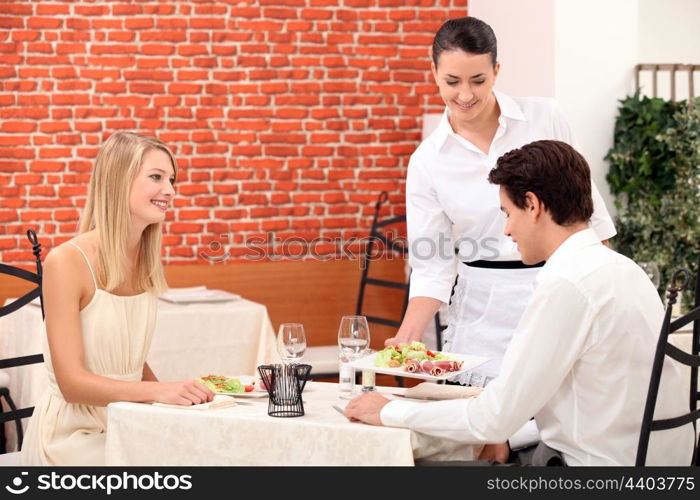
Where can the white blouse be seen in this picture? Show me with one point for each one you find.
(450, 203)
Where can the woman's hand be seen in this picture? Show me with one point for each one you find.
(419, 313)
(186, 393)
(398, 339)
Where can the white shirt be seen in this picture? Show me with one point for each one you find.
(580, 362)
(449, 198)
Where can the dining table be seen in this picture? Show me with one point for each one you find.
(142, 434)
(191, 340)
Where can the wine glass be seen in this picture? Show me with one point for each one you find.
(291, 342)
(652, 271)
(353, 340)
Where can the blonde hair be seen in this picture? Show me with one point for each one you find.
(107, 210)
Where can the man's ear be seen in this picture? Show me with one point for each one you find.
(533, 205)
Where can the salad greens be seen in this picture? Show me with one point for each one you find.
(220, 383)
(396, 355)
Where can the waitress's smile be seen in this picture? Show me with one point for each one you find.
(466, 106)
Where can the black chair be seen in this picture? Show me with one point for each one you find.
(325, 358)
(664, 348)
(18, 414)
(400, 248)
(377, 235)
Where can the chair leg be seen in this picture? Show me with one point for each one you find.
(3, 441)
(18, 422)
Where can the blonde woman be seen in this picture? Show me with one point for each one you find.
(100, 293)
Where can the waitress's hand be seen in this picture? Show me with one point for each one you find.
(186, 393)
(419, 314)
(398, 339)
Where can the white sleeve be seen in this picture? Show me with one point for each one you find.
(556, 325)
(600, 222)
(526, 436)
(431, 249)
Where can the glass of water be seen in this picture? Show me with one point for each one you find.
(353, 341)
(291, 342)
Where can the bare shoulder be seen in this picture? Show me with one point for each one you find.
(65, 268)
(63, 258)
(67, 255)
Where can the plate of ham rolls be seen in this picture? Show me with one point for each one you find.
(416, 361)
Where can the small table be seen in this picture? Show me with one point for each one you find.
(190, 340)
(146, 435)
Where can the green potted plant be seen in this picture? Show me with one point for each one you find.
(655, 177)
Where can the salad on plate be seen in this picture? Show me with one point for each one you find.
(416, 358)
(222, 384)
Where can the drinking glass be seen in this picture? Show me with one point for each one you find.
(291, 342)
(652, 271)
(353, 341)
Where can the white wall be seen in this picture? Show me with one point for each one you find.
(670, 33)
(596, 52)
(526, 43)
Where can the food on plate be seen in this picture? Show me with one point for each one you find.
(221, 383)
(416, 358)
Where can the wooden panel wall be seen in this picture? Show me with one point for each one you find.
(314, 293)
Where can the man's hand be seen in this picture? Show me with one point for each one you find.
(497, 452)
(366, 408)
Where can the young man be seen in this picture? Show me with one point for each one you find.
(581, 357)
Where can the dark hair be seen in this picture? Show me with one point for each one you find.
(555, 172)
(466, 33)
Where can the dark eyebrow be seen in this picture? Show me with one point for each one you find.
(473, 76)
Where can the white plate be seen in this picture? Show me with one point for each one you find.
(254, 394)
(468, 363)
(188, 297)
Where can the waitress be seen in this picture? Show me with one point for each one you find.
(455, 226)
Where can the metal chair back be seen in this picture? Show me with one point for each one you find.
(18, 414)
(664, 348)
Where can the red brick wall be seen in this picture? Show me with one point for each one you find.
(287, 117)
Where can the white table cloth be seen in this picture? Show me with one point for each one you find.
(145, 435)
(190, 340)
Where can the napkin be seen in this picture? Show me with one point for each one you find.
(428, 390)
(218, 402)
(197, 294)
(187, 289)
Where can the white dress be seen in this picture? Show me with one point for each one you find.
(450, 203)
(117, 332)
